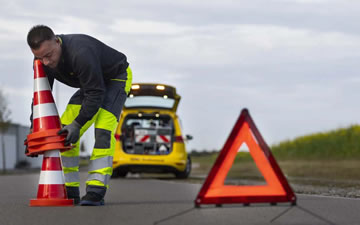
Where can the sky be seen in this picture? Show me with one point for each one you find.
(292, 63)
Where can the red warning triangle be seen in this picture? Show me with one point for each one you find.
(277, 188)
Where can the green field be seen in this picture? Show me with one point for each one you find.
(340, 144)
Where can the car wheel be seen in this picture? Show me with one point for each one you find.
(185, 174)
(119, 173)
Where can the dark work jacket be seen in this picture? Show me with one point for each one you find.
(88, 64)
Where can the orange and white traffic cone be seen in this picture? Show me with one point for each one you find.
(45, 114)
(51, 191)
(46, 120)
(45, 140)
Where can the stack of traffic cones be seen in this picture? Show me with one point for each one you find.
(46, 121)
(45, 140)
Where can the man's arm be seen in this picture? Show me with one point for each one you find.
(88, 69)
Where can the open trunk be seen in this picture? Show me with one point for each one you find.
(147, 134)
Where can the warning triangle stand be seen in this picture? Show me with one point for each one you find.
(275, 191)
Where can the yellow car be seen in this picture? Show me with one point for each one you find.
(149, 137)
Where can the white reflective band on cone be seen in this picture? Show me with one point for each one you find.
(53, 153)
(46, 109)
(51, 177)
(41, 84)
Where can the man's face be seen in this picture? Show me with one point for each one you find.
(49, 53)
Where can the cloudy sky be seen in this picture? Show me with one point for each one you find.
(292, 63)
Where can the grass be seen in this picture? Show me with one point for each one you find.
(324, 169)
(338, 173)
(340, 144)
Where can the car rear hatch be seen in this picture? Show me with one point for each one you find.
(158, 96)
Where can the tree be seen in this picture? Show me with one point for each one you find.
(4, 125)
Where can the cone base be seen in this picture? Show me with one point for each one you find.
(52, 202)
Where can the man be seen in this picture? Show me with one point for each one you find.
(103, 77)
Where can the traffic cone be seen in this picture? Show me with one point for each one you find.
(45, 140)
(45, 114)
(51, 191)
(46, 120)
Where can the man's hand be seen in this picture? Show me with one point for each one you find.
(73, 132)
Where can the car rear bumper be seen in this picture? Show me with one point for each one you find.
(172, 162)
(148, 169)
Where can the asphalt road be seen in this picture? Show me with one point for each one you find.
(144, 201)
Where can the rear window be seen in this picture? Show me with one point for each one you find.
(149, 101)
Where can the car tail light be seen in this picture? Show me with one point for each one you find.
(179, 139)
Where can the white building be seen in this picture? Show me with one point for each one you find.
(14, 150)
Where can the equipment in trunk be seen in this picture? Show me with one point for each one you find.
(148, 134)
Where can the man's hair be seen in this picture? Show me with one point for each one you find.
(38, 34)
